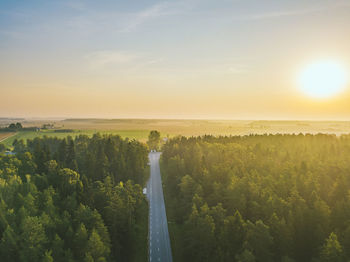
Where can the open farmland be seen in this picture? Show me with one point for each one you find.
(173, 127)
(139, 128)
(140, 135)
(5, 135)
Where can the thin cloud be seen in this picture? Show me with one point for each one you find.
(88, 21)
(120, 60)
(13, 34)
(76, 5)
(106, 58)
(238, 69)
(124, 22)
(136, 19)
(279, 14)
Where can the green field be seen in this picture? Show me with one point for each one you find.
(131, 134)
(188, 127)
(5, 135)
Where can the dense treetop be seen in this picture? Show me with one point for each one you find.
(73, 200)
(153, 140)
(259, 198)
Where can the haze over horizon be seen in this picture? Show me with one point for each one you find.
(228, 59)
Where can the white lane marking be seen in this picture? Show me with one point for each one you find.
(158, 258)
(158, 248)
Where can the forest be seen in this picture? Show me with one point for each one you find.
(74, 200)
(258, 197)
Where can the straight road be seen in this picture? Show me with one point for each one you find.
(159, 241)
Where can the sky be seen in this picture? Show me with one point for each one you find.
(206, 59)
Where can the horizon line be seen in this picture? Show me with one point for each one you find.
(174, 118)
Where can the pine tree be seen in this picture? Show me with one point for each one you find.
(96, 247)
(332, 251)
(71, 161)
(80, 241)
(245, 256)
(47, 256)
(9, 245)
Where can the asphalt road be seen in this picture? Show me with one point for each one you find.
(159, 241)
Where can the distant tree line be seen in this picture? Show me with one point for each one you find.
(74, 200)
(258, 198)
(14, 127)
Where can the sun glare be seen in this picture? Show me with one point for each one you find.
(323, 79)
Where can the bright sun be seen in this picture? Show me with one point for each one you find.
(323, 79)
